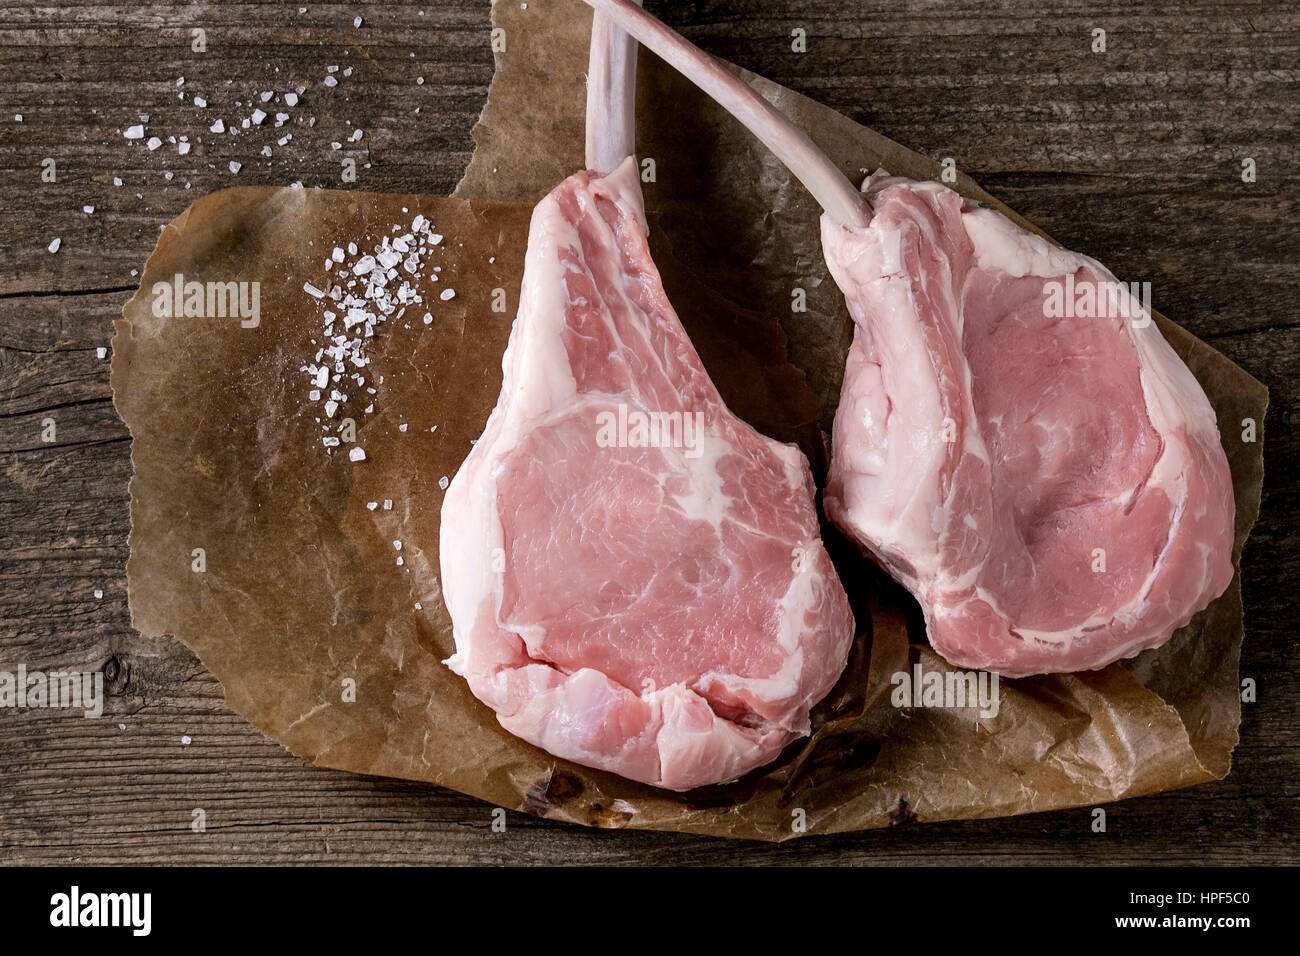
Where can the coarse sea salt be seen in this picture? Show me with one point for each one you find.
(365, 288)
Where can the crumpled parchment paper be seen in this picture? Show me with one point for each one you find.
(313, 628)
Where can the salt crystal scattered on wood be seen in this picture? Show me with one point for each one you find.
(356, 453)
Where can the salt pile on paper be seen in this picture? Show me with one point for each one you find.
(366, 289)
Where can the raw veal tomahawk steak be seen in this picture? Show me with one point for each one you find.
(635, 577)
(1038, 467)
(1042, 472)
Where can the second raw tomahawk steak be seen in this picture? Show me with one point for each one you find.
(1016, 442)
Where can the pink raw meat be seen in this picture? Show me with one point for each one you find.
(1052, 489)
(658, 606)
(667, 613)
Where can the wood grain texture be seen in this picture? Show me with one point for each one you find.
(1132, 156)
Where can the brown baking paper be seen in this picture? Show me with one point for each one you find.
(300, 604)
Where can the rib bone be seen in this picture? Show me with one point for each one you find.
(791, 145)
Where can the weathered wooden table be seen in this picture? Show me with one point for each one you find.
(1134, 156)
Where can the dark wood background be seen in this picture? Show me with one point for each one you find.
(1133, 157)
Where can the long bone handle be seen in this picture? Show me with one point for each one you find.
(611, 95)
(802, 157)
